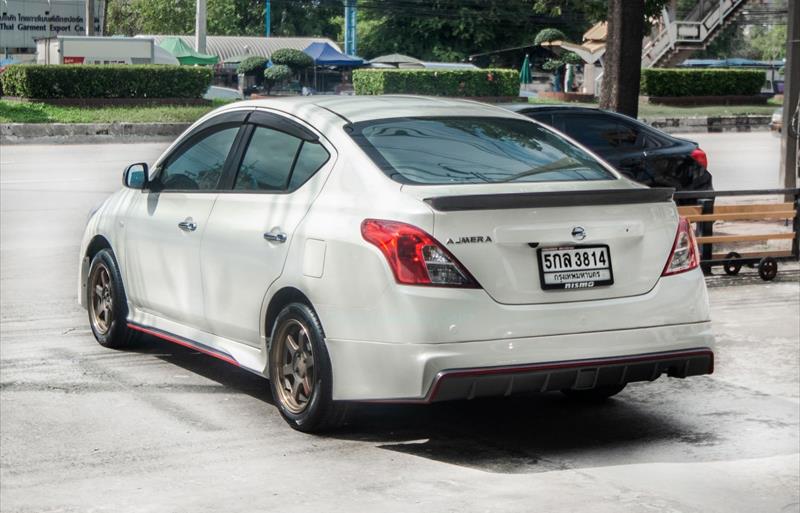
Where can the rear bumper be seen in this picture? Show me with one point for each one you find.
(369, 371)
(575, 375)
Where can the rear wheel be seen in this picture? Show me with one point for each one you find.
(594, 395)
(107, 305)
(768, 268)
(301, 378)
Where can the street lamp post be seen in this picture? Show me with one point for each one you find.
(267, 18)
(200, 27)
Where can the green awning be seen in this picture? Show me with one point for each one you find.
(186, 54)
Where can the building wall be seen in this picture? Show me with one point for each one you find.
(24, 21)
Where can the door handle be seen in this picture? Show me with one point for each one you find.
(188, 225)
(275, 237)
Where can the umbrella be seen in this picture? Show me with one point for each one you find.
(569, 78)
(185, 53)
(236, 59)
(395, 59)
(525, 72)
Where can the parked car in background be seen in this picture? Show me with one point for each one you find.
(776, 123)
(638, 151)
(222, 93)
(397, 249)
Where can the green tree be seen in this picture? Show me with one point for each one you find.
(547, 35)
(252, 66)
(224, 17)
(276, 74)
(769, 42)
(296, 60)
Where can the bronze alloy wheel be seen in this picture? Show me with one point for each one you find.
(293, 366)
(101, 302)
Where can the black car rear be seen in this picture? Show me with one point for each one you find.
(638, 151)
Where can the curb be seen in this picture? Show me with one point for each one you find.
(710, 124)
(80, 133)
(76, 133)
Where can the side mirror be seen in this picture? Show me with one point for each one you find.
(135, 176)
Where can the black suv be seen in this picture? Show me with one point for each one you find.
(636, 150)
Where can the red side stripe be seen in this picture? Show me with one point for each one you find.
(184, 343)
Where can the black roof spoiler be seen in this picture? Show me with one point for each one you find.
(550, 199)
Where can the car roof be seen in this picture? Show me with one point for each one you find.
(542, 107)
(356, 109)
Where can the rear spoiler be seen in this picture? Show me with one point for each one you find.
(550, 199)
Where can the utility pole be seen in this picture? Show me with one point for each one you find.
(790, 155)
(200, 27)
(350, 40)
(267, 18)
(89, 18)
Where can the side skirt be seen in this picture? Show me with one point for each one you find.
(197, 346)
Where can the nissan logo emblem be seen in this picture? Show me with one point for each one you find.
(578, 233)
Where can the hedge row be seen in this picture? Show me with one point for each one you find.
(479, 82)
(701, 82)
(105, 81)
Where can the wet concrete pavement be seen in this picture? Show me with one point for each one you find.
(163, 428)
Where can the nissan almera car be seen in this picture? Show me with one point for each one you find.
(397, 249)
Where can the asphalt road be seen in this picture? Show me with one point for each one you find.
(162, 428)
(744, 160)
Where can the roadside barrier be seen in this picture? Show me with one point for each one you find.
(706, 212)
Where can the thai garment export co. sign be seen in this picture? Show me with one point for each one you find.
(24, 21)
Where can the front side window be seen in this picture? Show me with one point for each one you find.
(199, 167)
(276, 161)
(452, 150)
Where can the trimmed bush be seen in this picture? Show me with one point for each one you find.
(252, 66)
(105, 81)
(701, 82)
(295, 59)
(276, 74)
(462, 82)
(547, 35)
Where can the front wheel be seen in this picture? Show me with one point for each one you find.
(107, 305)
(301, 378)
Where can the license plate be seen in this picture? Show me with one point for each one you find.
(575, 267)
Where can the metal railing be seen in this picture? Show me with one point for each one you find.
(692, 31)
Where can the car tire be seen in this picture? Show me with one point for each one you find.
(300, 373)
(106, 302)
(594, 395)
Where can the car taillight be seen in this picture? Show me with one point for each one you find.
(700, 157)
(684, 255)
(416, 258)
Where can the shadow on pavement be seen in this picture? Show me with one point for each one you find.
(669, 420)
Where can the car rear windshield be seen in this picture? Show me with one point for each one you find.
(452, 150)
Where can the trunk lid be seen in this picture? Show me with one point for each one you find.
(496, 231)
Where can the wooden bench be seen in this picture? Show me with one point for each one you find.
(748, 212)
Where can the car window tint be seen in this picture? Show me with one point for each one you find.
(200, 166)
(452, 150)
(267, 161)
(312, 157)
(602, 132)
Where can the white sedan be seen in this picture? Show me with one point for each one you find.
(397, 249)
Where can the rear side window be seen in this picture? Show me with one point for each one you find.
(267, 161)
(276, 161)
(452, 150)
(312, 157)
(600, 132)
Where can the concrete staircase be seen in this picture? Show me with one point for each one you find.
(677, 39)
